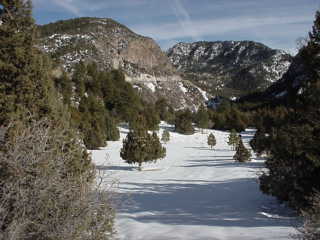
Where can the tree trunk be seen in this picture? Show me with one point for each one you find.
(140, 166)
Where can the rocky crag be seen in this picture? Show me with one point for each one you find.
(113, 46)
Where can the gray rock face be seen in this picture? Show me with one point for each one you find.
(289, 86)
(114, 46)
(230, 65)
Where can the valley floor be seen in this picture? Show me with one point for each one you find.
(194, 193)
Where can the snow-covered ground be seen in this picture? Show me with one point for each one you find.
(194, 193)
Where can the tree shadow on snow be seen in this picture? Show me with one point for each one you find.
(236, 203)
(118, 168)
(222, 163)
(210, 149)
(168, 128)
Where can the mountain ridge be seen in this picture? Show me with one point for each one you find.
(112, 45)
(224, 65)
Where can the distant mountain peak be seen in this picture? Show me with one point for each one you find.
(225, 65)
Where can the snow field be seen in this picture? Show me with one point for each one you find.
(194, 193)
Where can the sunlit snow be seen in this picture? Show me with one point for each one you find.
(194, 193)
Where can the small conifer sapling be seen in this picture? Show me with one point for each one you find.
(165, 136)
(211, 140)
(242, 153)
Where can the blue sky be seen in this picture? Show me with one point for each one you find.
(276, 23)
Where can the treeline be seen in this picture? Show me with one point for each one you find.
(47, 179)
(100, 100)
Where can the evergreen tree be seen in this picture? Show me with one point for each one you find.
(140, 146)
(24, 78)
(260, 143)
(233, 139)
(79, 79)
(112, 131)
(152, 117)
(242, 153)
(183, 122)
(211, 140)
(46, 175)
(162, 107)
(64, 85)
(165, 136)
(93, 122)
(202, 118)
(294, 165)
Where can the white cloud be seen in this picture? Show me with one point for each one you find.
(184, 19)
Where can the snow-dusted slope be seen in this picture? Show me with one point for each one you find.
(112, 45)
(194, 193)
(238, 65)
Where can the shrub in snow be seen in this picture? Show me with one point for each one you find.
(183, 122)
(242, 153)
(165, 136)
(139, 146)
(233, 139)
(47, 189)
(211, 140)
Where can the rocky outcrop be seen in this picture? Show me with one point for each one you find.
(230, 65)
(290, 85)
(114, 46)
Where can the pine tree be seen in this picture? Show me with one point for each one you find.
(24, 71)
(165, 136)
(294, 165)
(93, 122)
(242, 153)
(183, 122)
(202, 118)
(233, 139)
(112, 131)
(139, 146)
(64, 85)
(211, 140)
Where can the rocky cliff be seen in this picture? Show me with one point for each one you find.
(230, 67)
(114, 46)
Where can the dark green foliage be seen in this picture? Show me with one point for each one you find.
(211, 140)
(202, 117)
(152, 117)
(104, 99)
(261, 142)
(242, 153)
(165, 136)
(24, 80)
(183, 122)
(139, 146)
(46, 175)
(93, 122)
(162, 107)
(229, 117)
(64, 85)
(112, 131)
(79, 79)
(294, 162)
(233, 139)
